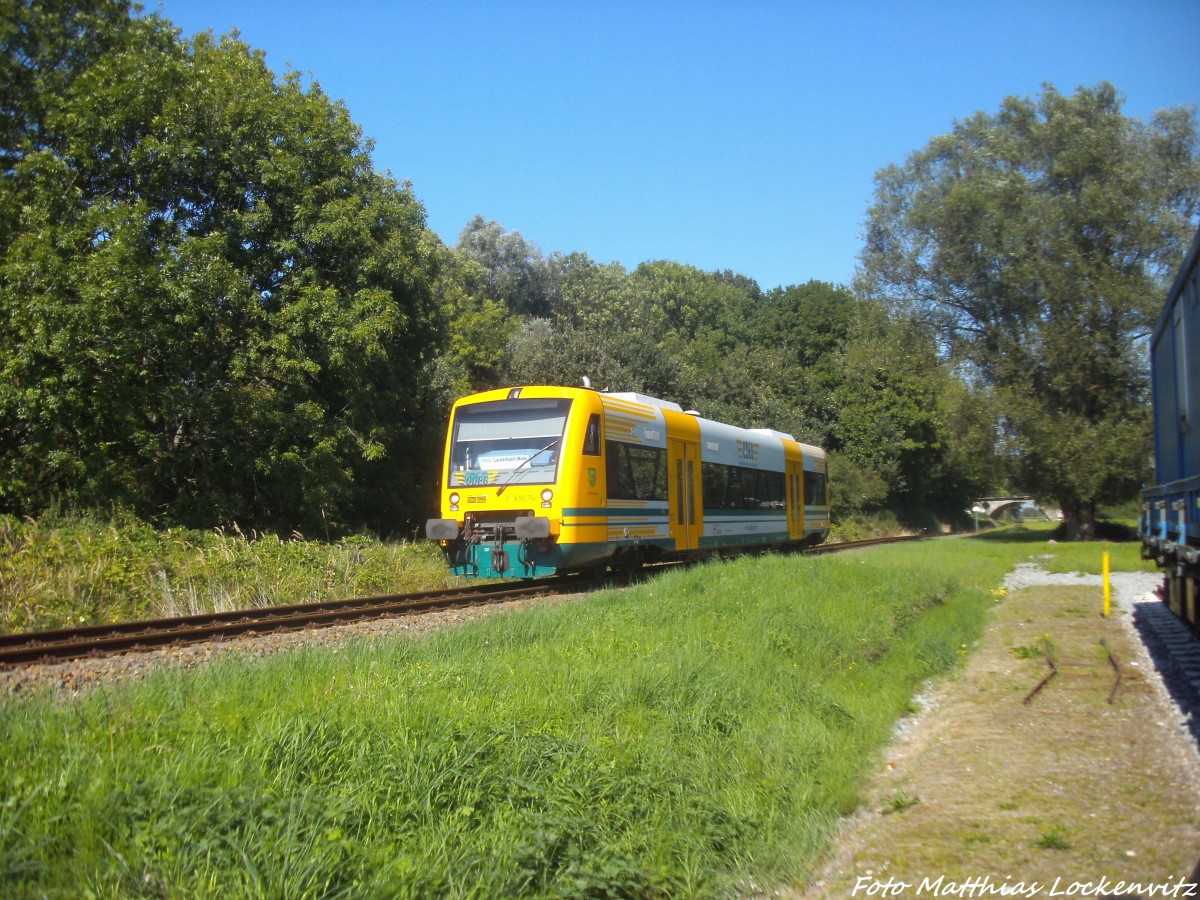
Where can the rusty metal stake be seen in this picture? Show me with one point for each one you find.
(1041, 684)
(1113, 662)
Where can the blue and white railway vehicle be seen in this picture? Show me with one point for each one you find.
(1170, 520)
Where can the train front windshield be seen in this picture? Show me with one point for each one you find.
(507, 442)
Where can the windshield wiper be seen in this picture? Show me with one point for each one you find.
(513, 473)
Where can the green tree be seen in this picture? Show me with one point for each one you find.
(698, 305)
(800, 332)
(44, 47)
(509, 269)
(975, 447)
(856, 491)
(479, 329)
(891, 415)
(607, 327)
(211, 305)
(1037, 240)
(603, 298)
(810, 321)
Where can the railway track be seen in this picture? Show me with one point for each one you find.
(872, 542)
(93, 641)
(124, 637)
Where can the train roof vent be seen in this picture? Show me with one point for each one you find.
(771, 432)
(633, 397)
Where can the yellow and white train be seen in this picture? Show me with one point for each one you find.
(539, 480)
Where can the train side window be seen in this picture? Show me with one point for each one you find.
(814, 488)
(636, 473)
(591, 437)
(713, 483)
(735, 497)
(735, 487)
(772, 490)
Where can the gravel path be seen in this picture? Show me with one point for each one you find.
(1168, 650)
(1119, 782)
(1128, 588)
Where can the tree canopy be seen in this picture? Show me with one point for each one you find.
(211, 305)
(1037, 241)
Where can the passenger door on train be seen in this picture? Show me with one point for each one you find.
(795, 473)
(683, 493)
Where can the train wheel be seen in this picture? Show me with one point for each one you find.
(627, 569)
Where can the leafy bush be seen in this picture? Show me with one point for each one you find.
(72, 569)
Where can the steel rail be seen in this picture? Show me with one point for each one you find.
(199, 619)
(869, 542)
(105, 640)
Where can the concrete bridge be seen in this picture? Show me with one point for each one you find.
(994, 506)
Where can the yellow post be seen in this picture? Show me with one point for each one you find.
(1107, 588)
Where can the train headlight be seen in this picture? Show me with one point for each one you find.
(547, 496)
(454, 498)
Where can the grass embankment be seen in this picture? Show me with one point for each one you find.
(70, 570)
(691, 736)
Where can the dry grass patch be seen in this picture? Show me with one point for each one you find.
(1065, 787)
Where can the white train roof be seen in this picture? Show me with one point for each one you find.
(719, 443)
(644, 399)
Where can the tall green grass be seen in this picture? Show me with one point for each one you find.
(681, 738)
(67, 570)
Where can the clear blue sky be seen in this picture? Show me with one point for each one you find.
(726, 135)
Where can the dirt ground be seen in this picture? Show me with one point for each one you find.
(994, 789)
